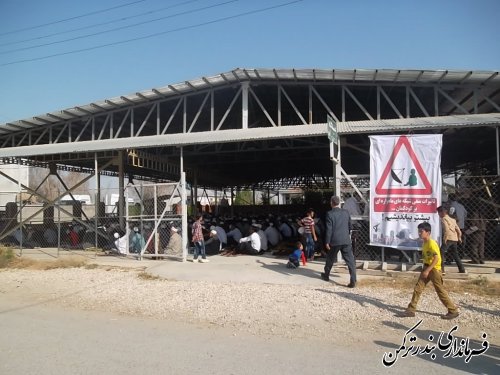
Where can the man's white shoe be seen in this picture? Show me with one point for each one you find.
(194, 260)
(204, 260)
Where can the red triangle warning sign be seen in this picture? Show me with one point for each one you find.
(426, 190)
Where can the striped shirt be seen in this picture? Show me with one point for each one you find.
(308, 223)
(196, 232)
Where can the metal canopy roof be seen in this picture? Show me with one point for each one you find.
(259, 134)
(283, 136)
(421, 123)
(389, 76)
(167, 140)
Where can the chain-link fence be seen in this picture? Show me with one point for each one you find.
(355, 192)
(62, 224)
(154, 221)
(150, 225)
(480, 197)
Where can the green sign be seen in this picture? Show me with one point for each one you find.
(332, 130)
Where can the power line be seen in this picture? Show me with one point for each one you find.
(71, 18)
(116, 28)
(260, 10)
(96, 24)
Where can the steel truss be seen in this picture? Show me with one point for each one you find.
(258, 103)
(246, 103)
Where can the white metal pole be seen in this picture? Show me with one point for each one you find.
(122, 202)
(96, 198)
(244, 105)
(184, 210)
(155, 233)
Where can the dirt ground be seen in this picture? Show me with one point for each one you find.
(104, 320)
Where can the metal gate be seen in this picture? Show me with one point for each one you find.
(154, 221)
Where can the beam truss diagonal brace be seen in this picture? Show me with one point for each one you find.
(51, 203)
(324, 104)
(454, 102)
(262, 107)
(293, 105)
(358, 102)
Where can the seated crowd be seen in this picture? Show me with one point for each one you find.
(254, 235)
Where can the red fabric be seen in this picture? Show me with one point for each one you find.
(303, 258)
(73, 238)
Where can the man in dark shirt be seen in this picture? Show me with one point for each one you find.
(338, 228)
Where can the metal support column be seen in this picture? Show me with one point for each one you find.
(195, 197)
(121, 189)
(244, 105)
(184, 209)
(97, 199)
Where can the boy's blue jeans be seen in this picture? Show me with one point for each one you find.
(309, 245)
(199, 249)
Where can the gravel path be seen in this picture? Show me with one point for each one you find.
(327, 312)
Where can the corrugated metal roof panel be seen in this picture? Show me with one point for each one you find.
(323, 75)
(220, 136)
(377, 126)
(353, 75)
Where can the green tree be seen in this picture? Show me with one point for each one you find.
(243, 198)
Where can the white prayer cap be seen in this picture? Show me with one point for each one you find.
(213, 231)
(174, 229)
(116, 235)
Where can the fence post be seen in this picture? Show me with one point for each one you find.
(184, 217)
(58, 227)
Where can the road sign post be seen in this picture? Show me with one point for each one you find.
(333, 137)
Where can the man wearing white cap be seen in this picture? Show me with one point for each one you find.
(120, 243)
(174, 246)
(212, 245)
(221, 234)
(137, 242)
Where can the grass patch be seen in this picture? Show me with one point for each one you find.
(481, 286)
(7, 256)
(42, 265)
(8, 259)
(146, 276)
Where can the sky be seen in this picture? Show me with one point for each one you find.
(57, 54)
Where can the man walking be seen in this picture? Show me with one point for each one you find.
(338, 227)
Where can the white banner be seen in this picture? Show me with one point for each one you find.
(405, 188)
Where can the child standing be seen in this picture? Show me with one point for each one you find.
(431, 271)
(295, 257)
(309, 233)
(198, 240)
